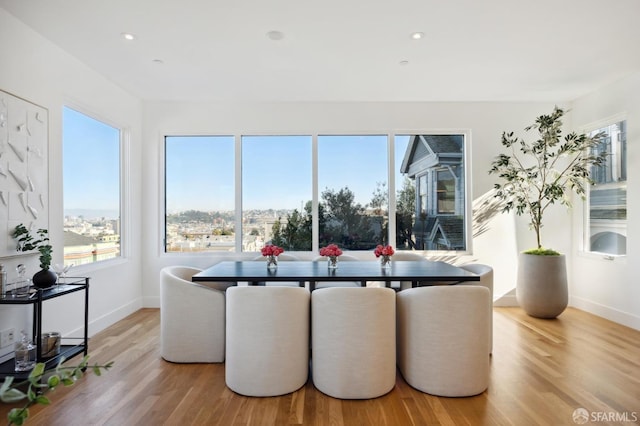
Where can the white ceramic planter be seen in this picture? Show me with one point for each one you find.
(541, 288)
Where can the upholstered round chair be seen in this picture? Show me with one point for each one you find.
(192, 318)
(341, 258)
(284, 257)
(443, 346)
(354, 341)
(486, 280)
(400, 255)
(267, 348)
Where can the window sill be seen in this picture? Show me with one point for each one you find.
(617, 258)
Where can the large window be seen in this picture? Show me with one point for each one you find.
(276, 192)
(607, 212)
(199, 193)
(430, 192)
(304, 192)
(352, 181)
(91, 173)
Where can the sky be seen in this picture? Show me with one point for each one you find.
(91, 163)
(276, 170)
(199, 170)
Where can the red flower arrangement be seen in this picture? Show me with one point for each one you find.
(271, 250)
(332, 250)
(383, 251)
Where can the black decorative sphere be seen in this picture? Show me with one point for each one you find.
(44, 278)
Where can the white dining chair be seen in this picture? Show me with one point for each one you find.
(341, 258)
(400, 255)
(192, 318)
(354, 341)
(486, 280)
(284, 257)
(442, 339)
(267, 348)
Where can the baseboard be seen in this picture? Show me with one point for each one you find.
(506, 300)
(151, 302)
(104, 321)
(615, 315)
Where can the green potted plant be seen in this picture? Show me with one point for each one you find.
(535, 175)
(40, 382)
(27, 242)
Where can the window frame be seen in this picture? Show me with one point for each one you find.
(237, 176)
(468, 196)
(124, 176)
(391, 185)
(584, 247)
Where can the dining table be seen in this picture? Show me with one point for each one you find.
(419, 273)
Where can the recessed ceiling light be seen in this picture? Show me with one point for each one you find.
(275, 35)
(128, 36)
(157, 61)
(403, 63)
(417, 35)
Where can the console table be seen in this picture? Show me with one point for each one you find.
(37, 299)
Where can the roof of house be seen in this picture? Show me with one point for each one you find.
(429, 148)
(75, 239)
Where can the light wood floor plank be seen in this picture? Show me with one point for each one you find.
(541, 371)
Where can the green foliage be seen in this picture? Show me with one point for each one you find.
(27, 242)
(295, 234)
(538, 174)
(341, 220)
(346, 223)
(38, 387)
(405, 210)
(542, 252)
(380, 199)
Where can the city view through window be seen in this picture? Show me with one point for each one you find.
(277, 192)
(91, 188)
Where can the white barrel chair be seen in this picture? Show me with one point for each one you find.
(353, 341)
(284, 257)
(401, 255)
(486, 280)
(341, 258)
(267, 340)
(192, 318)
(442, 339)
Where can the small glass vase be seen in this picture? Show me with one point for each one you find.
(332, 262)
(385, 262)
(272, 262)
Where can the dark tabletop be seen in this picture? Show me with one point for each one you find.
(255, 271)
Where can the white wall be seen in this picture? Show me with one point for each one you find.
(486, 121)
(33, 68)
(611, 288)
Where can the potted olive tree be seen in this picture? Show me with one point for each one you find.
(535, 175)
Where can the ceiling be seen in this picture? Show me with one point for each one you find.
(346, 50)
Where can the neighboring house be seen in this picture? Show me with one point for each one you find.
(436, 164)
(608, 195)
(80, 249)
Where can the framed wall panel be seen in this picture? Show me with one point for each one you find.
(24, 132)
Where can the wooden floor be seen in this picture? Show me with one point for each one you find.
(541, 372)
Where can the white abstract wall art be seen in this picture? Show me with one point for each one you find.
(24, 136)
